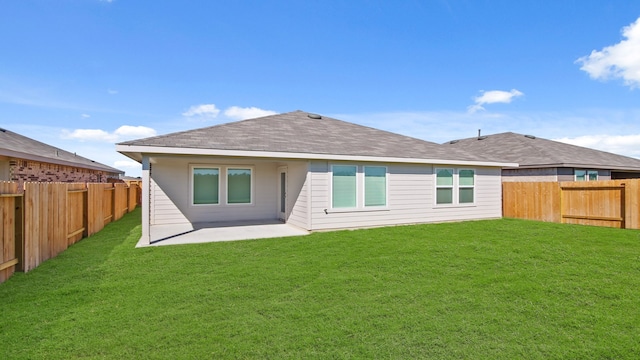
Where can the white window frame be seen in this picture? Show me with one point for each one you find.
(452, 186)
(460, 186)
(223, 183)
(455, 196)
(192, 168)
(358, 195)
(386, 187)
(226, 182)
(360, 189)
(586, 174)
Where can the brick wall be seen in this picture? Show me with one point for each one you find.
(32, 171)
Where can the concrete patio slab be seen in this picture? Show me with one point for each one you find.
(176, 234)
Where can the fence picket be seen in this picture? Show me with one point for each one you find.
(9, 194)
(612, 203)
(46, 218)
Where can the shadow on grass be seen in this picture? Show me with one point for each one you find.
(87, 255)
(71, 279)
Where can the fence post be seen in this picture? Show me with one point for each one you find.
(113, 203)
(562, 212)
(623, 206)
(85, 211)
(19, 231)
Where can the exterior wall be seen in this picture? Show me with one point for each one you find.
(171, 192)
(547, 174)
(624, 175)
(530, 175)
(410, 195)
(23, 171)
(604, 174)
(164, 210)
(297, 194)
(411, 190)
(566, 174)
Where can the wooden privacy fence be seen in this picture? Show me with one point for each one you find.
(611, 203)
(10, 219)
(44, 219)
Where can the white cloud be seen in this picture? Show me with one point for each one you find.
(628, 145)
(88, 135)
(204, 111)
(122, 133)
(112, 92)
(133, 132)
(621, 60)
(492, 97)
(240, 113)
(85, 116)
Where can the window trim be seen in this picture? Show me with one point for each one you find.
(192, 168)
(455, 197)
(357, 194)
(460, 186)
(360, 190)
(586, 174)
(223, 183)
(364, 187)
(452, 186)
(226, 182)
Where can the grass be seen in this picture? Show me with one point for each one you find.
(499, 289)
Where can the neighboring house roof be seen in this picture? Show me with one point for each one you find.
(534, 152)
(297, 134)
(21, 147)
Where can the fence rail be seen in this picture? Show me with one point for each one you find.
(41, 220)
(611, 203)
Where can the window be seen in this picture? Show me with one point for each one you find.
(455, 186)
(206, 185)
(465, 186)
(238, 186)
(444, 186)
(375, 186)
(344, 186)
(586, 175)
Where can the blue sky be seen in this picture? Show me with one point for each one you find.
(85, 74)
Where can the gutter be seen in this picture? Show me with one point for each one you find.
(135, 152)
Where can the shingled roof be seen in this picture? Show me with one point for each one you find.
(302, 133)
(18, 146)
(534, 152)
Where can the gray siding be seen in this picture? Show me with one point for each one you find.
(410, 195)
(530, 175)
(297, 196)
(163, 209)
(411, 191)
(548, 174)
(604, 174)
(171, 202)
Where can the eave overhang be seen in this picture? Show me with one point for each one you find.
(136, 152)
(580, 166)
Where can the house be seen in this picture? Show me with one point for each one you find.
(310, 171)
(547, 160)
(23, 159)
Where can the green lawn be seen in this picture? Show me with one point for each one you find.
(500, 289)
